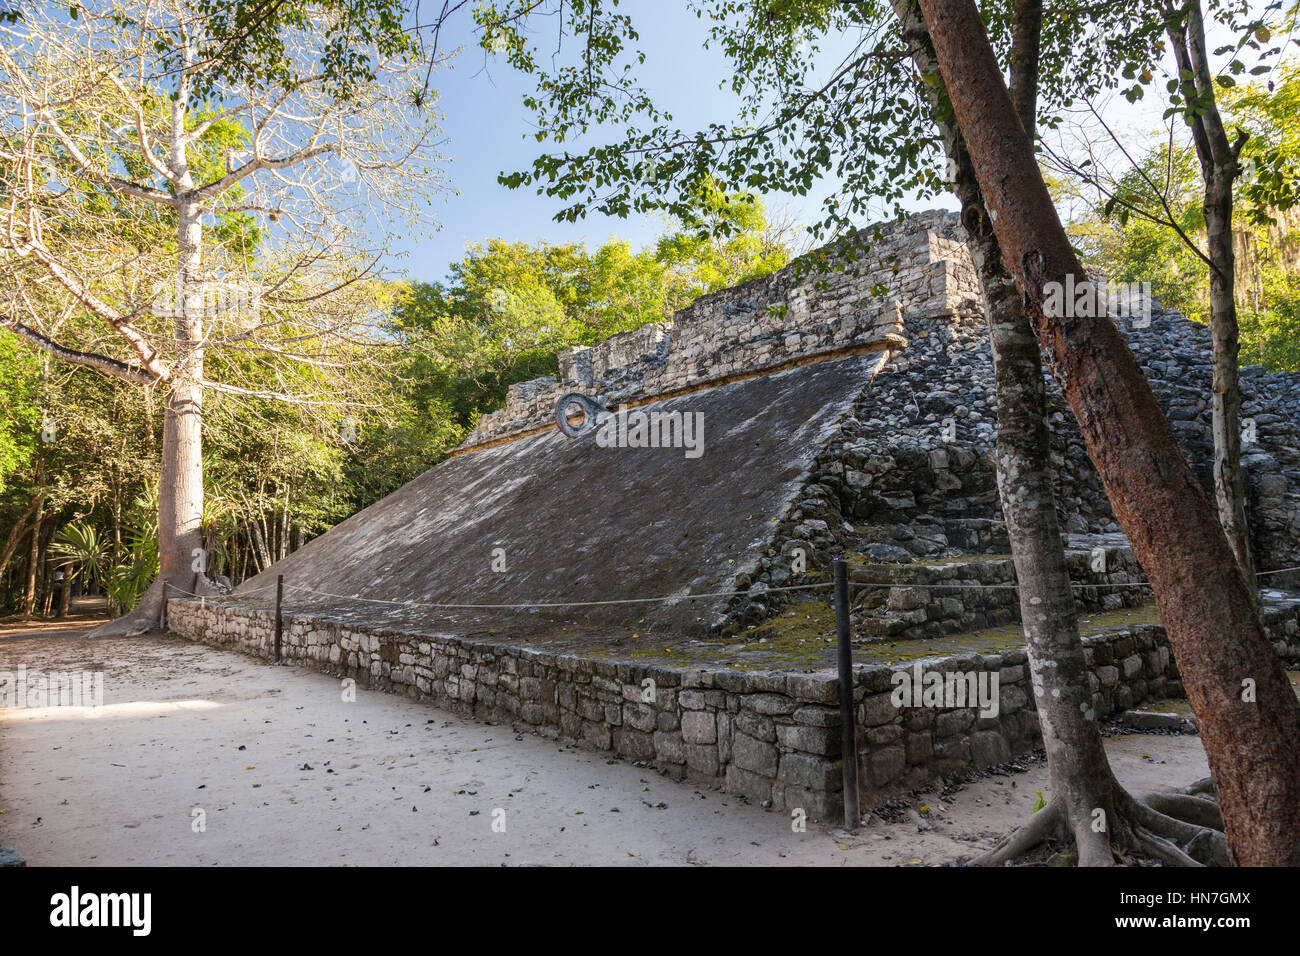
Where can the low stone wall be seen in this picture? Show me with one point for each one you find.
(769, 736)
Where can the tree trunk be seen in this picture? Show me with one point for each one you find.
(1247, 711)
(46, 571)
(283, 548)
(259, 540)
(117, 520)
(33, 563)
(1229, 477)
(65, 593)
(15, 535)
(180, 482)
(1081, 778)
(1219, 169)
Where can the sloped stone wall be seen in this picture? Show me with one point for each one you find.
(909, 474)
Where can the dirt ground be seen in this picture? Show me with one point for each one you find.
(280, 770)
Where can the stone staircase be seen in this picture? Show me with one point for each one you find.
(958, 593)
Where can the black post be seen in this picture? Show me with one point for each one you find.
(279, 598)
(162, 612)
(848, 733)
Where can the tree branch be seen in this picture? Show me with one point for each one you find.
(89, 359)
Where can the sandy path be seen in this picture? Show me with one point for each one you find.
(287, 773)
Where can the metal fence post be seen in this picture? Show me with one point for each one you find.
(848, 732)
(279, 622)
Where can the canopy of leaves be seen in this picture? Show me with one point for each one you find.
(1128, 236)
(275, 473)
(20, 416)
(506, 308)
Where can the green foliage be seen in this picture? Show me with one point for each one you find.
(725, 240)
(1133, 248)
(19, 407)
(827, 97)
(803, 116)
(1124, 238)
(1271, 157)
(246, 41)
(275, 471)
(1271, 336)
(80, 551)
(129, 579)
(507, 308)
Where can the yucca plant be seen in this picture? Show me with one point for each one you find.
(79, 551)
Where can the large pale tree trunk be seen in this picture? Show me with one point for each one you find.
(181, 562)
(1247, 711)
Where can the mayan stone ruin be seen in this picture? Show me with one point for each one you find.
(846, 409)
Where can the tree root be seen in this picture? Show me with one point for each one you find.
(1046, 824)
(1201, 811)
(146, 615)
(1176, 828)
(1161, 848)
(129, 624)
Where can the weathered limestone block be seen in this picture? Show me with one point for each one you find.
(756, 725)
(877, 709)
(699, 727)
(821, 741)
(769, 704)
(887, 765)
(808, 772)
(756, 756)
(919, 748)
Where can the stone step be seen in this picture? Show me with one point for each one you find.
(932, 598)
(976, 535)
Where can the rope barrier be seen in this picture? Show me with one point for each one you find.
(684, 597)
(1262, 574)
(647, 600)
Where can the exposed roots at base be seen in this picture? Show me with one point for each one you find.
(1179, 828)
(146, 614)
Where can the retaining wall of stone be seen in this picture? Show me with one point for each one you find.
(769, 736)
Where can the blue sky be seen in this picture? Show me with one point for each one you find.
(488, 130)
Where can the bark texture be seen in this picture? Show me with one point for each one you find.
(1219, 170)
(1246, 708)
(180, 481)
(20, 528)
(1081, 779)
